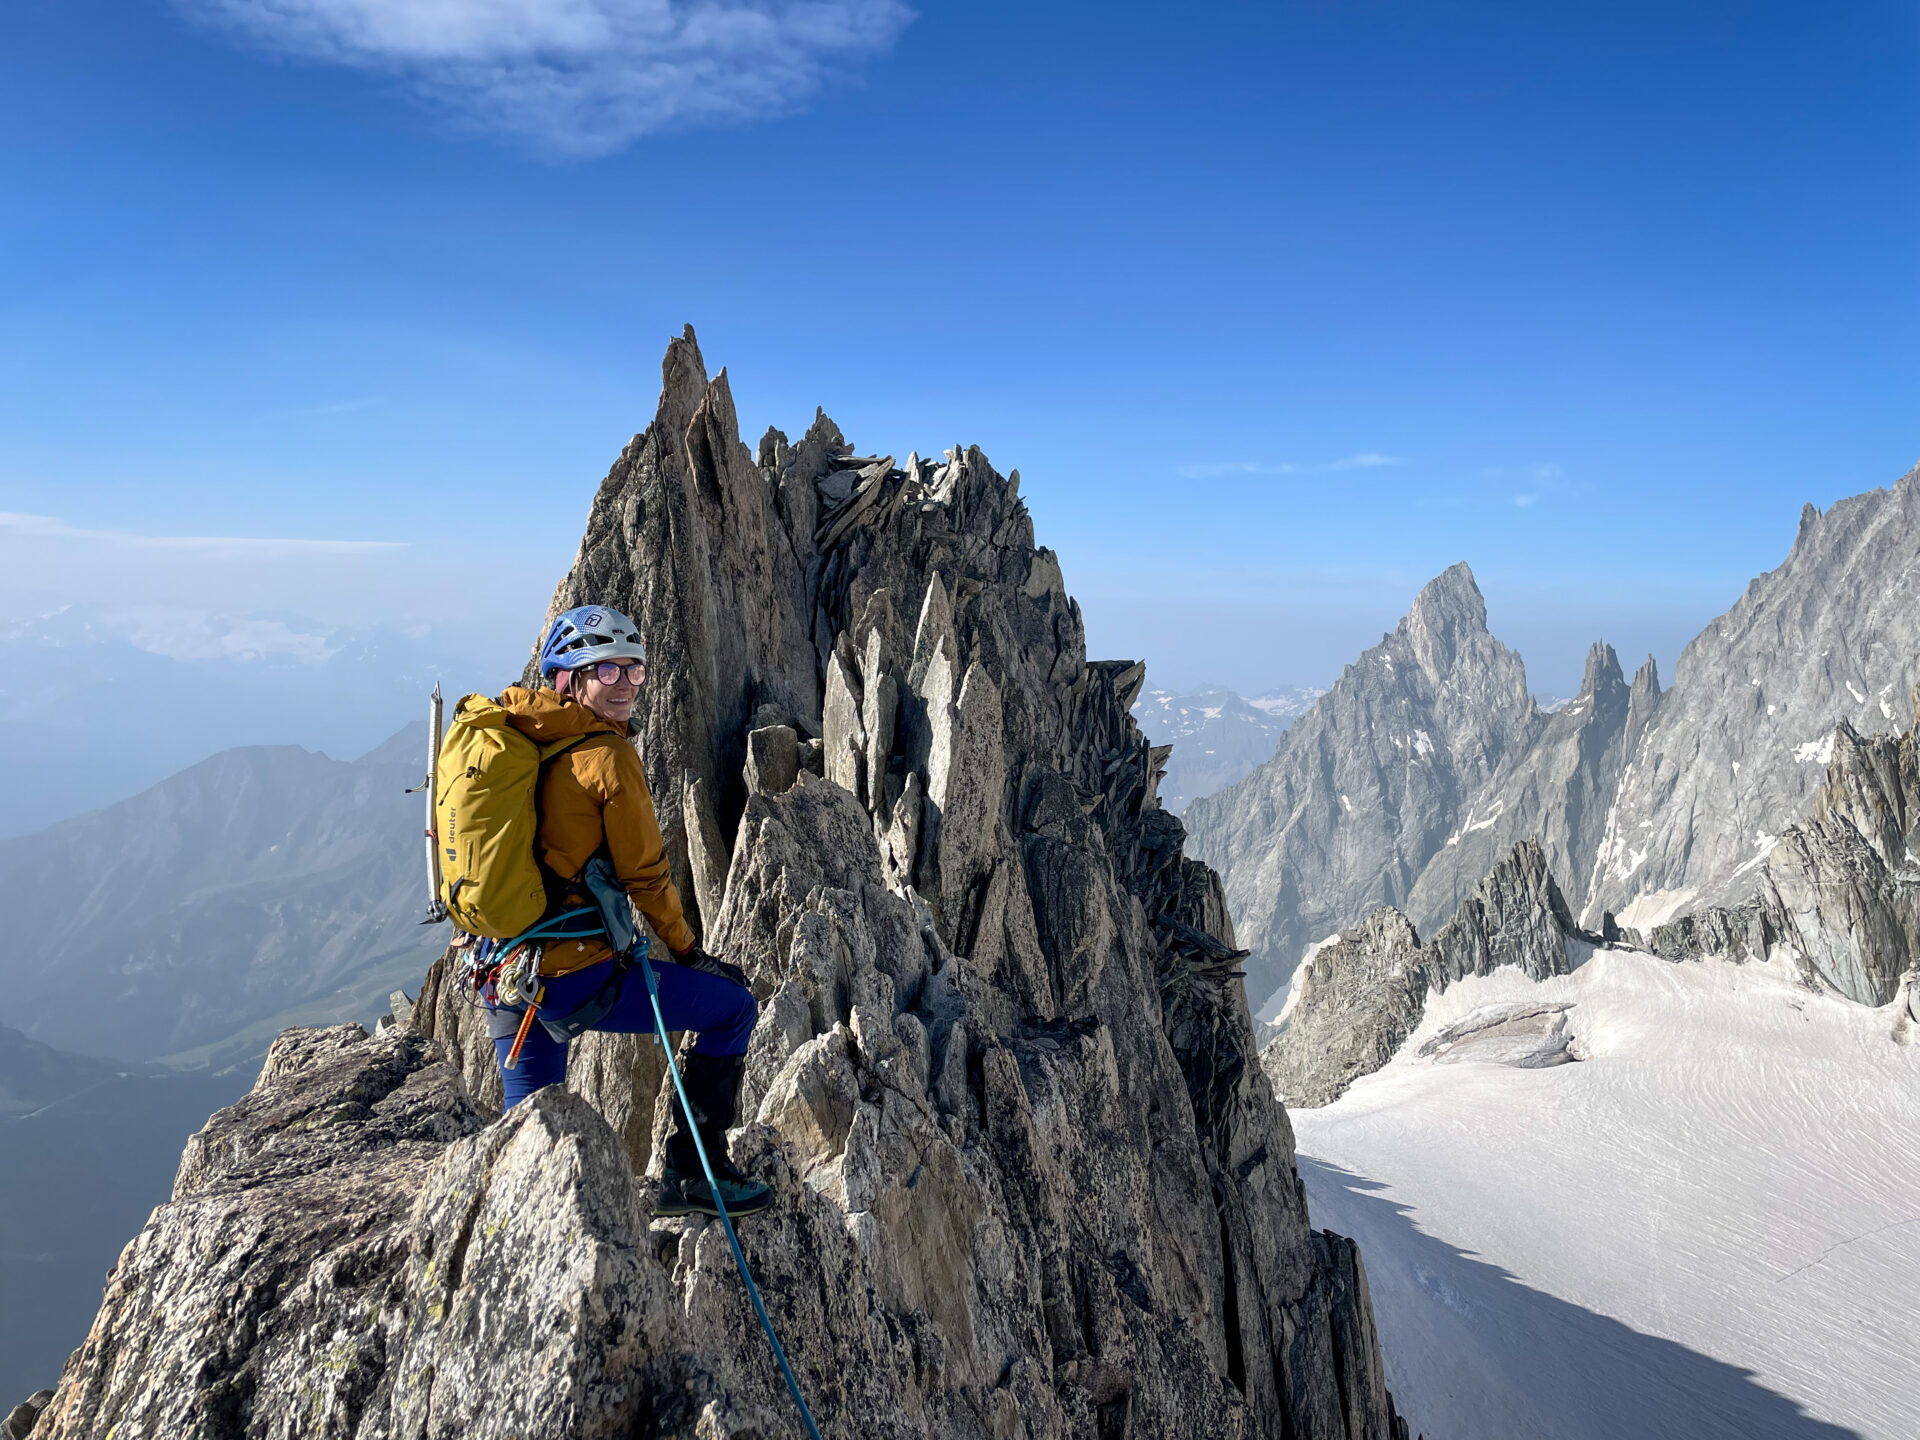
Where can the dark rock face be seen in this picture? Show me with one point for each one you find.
(21, 1419)
(261, 1299)
(1515, 916)
(1354, 1003)
(1368, 786)
(1030, 1180)
(1362, 995)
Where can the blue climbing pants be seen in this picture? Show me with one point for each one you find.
(721, 1011)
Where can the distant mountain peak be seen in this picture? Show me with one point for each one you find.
(1646, 681)
(1451, 598)
(1370, 783)
(1448, 620)
(1603, 670)
(1308, 842)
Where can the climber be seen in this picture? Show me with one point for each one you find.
(593, 801)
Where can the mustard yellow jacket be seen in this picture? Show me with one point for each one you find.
(594, 794)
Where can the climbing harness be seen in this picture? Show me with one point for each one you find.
(505, 975)
(713, 1187)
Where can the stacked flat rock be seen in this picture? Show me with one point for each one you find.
(1030, 1180)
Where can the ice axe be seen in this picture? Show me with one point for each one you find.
(436, 908)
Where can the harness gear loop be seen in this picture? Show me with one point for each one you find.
(713, 1187)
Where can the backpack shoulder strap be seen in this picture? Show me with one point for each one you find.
(555, 747)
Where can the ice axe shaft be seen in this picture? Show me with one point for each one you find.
(436, 908)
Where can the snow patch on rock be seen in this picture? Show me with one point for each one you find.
(1815, 752)
(1656, 907)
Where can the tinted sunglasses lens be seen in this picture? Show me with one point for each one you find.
(609, 673)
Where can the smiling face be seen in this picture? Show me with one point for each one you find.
(612, 703)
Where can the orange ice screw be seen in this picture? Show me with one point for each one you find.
(526, 1024)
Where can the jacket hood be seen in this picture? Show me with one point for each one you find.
(547, 715)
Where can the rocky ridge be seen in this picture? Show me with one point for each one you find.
(1840, 891)
(1839, 894)
(1734, 752)
(1357, 998)
(1558, 789)
(1648, 803)
(1030, 1179)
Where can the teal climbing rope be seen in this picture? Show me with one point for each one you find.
(713, 1186)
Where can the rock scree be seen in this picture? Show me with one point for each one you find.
(1030, 1178)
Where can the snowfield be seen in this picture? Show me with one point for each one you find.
(1709, 1227)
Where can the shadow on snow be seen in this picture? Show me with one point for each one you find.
(1474, 1354)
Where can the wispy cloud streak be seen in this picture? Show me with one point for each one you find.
(1366, 460)
(320, 412)
(578, 77)
(50, 528)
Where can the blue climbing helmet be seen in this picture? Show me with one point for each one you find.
(587, 635)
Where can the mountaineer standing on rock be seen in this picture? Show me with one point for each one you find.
(594, 803)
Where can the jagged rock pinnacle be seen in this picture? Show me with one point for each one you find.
(1030, 1179)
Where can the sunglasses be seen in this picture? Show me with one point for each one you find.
(609, 672)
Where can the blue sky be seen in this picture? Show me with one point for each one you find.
(1279, 308)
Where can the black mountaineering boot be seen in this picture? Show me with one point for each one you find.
(713, 1084)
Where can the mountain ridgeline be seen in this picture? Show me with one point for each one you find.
(1030, 1178)
(1838, 895)
(1217, 737)
(263, 887)
(1427, 762)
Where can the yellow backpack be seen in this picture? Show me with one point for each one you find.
(486, 815)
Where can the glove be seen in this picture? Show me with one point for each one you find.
(696, 958)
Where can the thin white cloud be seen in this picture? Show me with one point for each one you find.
(578, 77)
(1538, 480)
(1366, 460)
(317, 412)
(50, 528)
